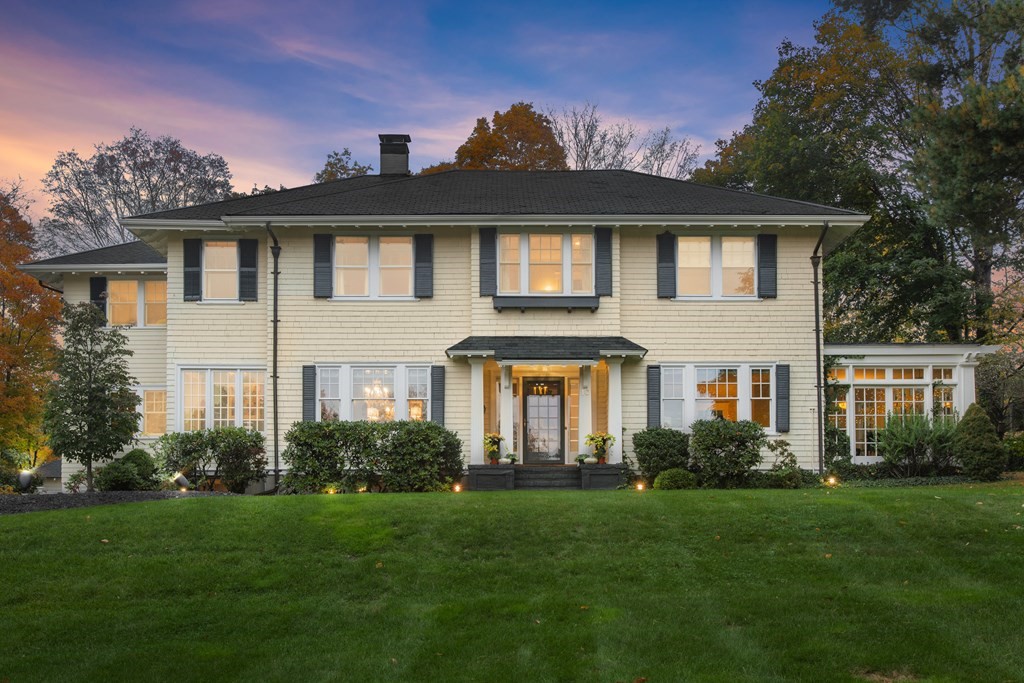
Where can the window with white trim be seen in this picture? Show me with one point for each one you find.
(546, 263)
(692, 392)
(129, 301)
(716, 266)
(220, 270)
(154, 412)
(210, 398)
(377, 393)
(378, 266)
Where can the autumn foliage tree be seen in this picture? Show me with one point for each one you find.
(29, 315)
(520, 139)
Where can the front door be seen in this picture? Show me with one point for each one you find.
(542, 421)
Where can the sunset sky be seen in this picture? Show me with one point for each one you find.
(274, 86)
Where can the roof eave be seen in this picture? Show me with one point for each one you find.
(93, 268)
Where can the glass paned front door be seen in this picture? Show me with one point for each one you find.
(542, 423)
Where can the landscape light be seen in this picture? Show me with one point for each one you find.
(180, 480)
(639, 486)
(25, 479)
(331, 491)
(832, 481)
(457, 488)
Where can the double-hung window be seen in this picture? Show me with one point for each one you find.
(220, 270)
(132, 301)
(154, 412)
(376, 393)
(222, 397)
(716, 266)
(373, 266)
(546, 263)
(692, 392)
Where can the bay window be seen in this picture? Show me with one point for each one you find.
(373, 266)
(215, 397)
(692, 392)
(715, 266)
(376, 393)
(546, 263)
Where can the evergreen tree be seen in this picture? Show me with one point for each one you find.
(976, 445)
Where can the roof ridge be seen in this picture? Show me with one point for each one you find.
(383, 182)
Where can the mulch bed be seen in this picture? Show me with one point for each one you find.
(65, 501)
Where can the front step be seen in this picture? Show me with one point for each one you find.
(548, 477)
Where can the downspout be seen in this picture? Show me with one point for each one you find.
(819, 387)
(275, 251)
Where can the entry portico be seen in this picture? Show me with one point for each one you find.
(545, 394)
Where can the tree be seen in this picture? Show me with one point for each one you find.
(831, 127)
(255, 191)
(90, 413)
(340, 166)
(135, 175)
(520, 139)
(591, 144)
(29, 315)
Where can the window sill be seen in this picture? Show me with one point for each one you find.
(221, 302)
(569, 303)
(373, 299)
(718, 299)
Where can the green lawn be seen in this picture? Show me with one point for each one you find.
(866, 584)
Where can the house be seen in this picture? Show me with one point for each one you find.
(540, 305)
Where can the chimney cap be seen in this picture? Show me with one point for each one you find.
(394, 137)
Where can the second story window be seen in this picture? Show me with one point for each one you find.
(137, 303)
(376, 266)
(220, 270)
(716, 266)
(546, 263)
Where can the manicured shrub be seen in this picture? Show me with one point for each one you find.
(143, 463)
(675, 478)
(239, 457)
(977, 446)
(724, 452)
(186, 453)
(658, 449)
(120, 476)
(904, 444)
(377, 456)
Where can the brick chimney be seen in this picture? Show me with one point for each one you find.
(394, 153)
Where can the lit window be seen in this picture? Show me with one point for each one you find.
(694, 266)
(908, 401)
(156, 302)
(352, 266)
(737, 266)
(220, 270)
(220, 390)
(546, 263)
(837, 375)
(715, 266)
(419, 391)
(673, 391)
(942, 402)
(194, 400)
(717, 394)
(941, 374)
(330, 394)
(396, 266)
(154, 412)
(123, 302)
(908, 373)
(869, 373)
(868, 419)
(373, 394)
(509, 265)
(761, 396)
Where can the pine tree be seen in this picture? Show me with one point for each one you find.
(977, 446)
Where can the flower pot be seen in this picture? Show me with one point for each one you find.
(590, 460)
(602, 460)
(504, 461)
(494, 461)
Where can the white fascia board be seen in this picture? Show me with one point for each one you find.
(851, 220)
(624, 354)
(95, 268)
(903, 353)
(469, 354)
(154, 224)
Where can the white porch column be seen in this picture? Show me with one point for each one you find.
(476, 411)
(966, 388)
(508, 427)
(615, 408)
(586, 417)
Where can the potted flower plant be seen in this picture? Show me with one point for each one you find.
(492, 446)
(601, 442)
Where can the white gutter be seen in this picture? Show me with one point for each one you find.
(850, 220)
(93, 268)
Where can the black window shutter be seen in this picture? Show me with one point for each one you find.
(782, 398)
(423, 278)
(98, 293)
(192, 269)
(308, 393)
(767, 266)
(603, 261)
(323, 277)
(248, 258)
(437, 394)
(653, 396)
(666, 266)
(488, 261)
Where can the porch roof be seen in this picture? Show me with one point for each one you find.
(546, 348)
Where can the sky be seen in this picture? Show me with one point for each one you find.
(273, 86)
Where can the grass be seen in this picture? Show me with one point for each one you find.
(851, 584)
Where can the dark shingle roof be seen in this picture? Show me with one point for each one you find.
(50, 469)
(132, 253)
(546, 348)
(508, 193)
